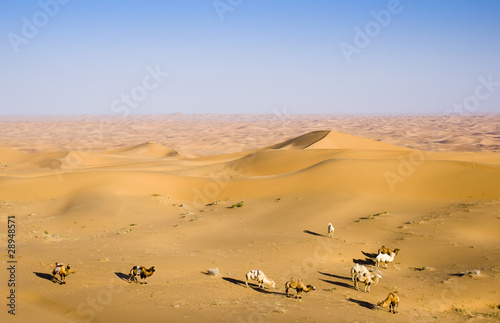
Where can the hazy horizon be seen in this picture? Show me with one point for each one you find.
(69, 58)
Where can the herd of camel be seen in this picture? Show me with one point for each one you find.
(359, 274)
(141, 271)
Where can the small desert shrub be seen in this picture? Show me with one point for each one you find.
(239, 204)
(461, 311)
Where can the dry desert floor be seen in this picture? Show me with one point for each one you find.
(189, 194)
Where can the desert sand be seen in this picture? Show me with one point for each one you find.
(239, 192)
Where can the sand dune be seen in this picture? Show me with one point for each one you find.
(10, 155)
(106, 210)
(208, 135)
(337, 140)
(145, 150)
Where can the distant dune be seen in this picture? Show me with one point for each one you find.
(145, 150)
(211, 134)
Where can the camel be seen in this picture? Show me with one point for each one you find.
(141, 271)
(260, 277)
(367, 278)
(357, 268)
(392, 301)
(266, 281)
(62, 271)
(385, 258)
(388, 251)
(331, 229)
(299, 286)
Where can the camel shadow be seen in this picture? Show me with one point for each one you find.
(362, 303)
(315, 234)
(236, 281)
(366, 261)
(123, 276)
(369, 254)
(265, 291)
(335, 276)
(341, 284)
(44, 276)
(255, 287)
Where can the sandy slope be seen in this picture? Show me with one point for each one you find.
(147, 204)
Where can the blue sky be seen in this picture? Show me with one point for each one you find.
(73, 57)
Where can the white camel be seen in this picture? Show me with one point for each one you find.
(260, 277)
(331, 229)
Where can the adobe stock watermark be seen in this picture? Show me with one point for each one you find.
(364, 36)
(31, 27)
(220, 181)
(323, 251)
(122, 106)
(89, 309)
(222, 7)
(406, 168)
(128, 101)
(484, 89)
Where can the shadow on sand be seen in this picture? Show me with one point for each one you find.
(366, 261)
(362, 303)
(236, 281)
(315, 234)
(44, 276)
(253, 286)
(341, 284)
(335, 276)
(369, 254)
(123, 276)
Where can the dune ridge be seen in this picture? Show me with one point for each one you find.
(339, 157)
(208, 134)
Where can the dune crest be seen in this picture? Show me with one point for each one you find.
(329, 139)
(301, 142)
(338, 140)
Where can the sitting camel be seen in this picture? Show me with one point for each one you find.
(299, 286)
